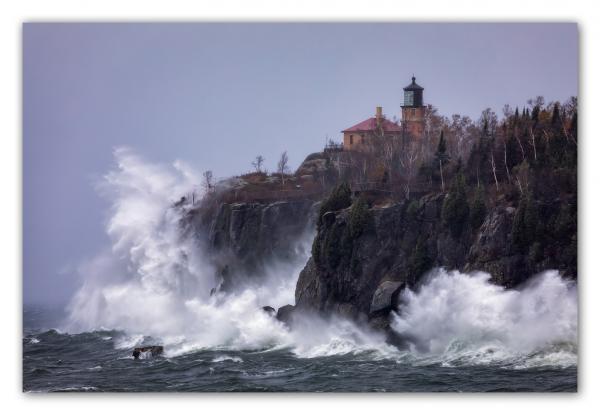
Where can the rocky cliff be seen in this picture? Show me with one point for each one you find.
(362, 260)
(241, 239)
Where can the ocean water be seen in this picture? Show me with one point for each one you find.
(101, 361)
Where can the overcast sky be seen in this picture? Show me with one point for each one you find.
(216, 95)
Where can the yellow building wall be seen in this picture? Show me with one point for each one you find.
(354, 140)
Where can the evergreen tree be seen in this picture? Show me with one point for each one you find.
(361, 218)
(535, 113)
(441, 154)
(340, 198)
(478, 210)
(455, 210)
(419, 262)
(525, 223)
(555, 115)
(573, 126)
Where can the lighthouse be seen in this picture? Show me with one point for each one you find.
(413, 111)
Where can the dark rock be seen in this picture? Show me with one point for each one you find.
(363, 276)
(147, 350)
(329, 218)
(313, 164)
(242, 239)
(386, 296)
(285, 314)
(269, 310)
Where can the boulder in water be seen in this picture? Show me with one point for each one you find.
(285, 314)
(269, 310)
(147, 351)
(385, 297)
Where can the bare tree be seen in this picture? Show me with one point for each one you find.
(390, 151)
(407, 161)
(522, 176)
(505, 143)
(258, 163)
(282, 167)
(494, 166)
(208, 181)
(532, 136)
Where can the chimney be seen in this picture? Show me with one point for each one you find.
(378, 115)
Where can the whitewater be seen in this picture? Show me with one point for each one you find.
(153, 285)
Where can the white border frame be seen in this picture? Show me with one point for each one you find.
(14, 13)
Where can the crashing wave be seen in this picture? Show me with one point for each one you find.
(152, 283)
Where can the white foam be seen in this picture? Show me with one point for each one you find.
(225, 358)
(154, 282)
(128, 341)
(465, 319)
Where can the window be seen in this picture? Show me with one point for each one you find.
(413, 112)
(351, 139)
(408, 98)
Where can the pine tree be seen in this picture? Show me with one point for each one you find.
(555, 116)
(477, 211)
(525, 223)
(535, 113)
(513, 153)
(455, 210)
(419, 262)
(340, 198)
(573, 126)
(360, 219)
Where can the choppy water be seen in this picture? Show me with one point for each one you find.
(101, 361)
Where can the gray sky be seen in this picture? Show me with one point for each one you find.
(216, 95)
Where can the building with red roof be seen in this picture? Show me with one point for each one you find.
(360, 135)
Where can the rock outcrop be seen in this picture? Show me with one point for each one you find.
(242, 238)
(360, 276)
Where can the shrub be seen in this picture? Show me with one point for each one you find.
(412, 210)
(340, 198)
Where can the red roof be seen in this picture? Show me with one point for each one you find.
(371, 125)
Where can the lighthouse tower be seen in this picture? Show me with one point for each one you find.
(413, 111)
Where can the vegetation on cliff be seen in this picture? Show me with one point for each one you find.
(497, 195)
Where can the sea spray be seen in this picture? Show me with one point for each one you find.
(464, 318)
(154, 281)
(153, 284)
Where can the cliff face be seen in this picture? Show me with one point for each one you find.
(242, 238)
(360, 275)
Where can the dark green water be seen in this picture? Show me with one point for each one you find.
(99, 361)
